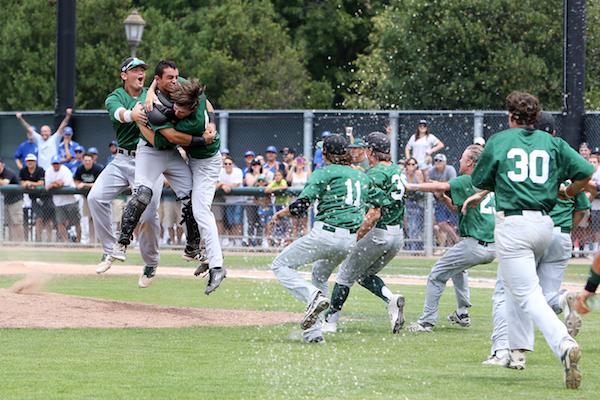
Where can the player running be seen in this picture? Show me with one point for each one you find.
(125, 110)
(342, 193)
(379, 238)
(524, 167)
(476, 229)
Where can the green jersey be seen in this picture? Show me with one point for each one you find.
(387, 193)
(195, 124)
(128, 134)
(525, 167)
(342, 193)
(479, 221)
(562, 213)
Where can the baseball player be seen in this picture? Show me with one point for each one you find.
(524, 167)
(196, 131)
(379, 238)
(550, 271)
(476, 247)
(125, 109)
(342, 193)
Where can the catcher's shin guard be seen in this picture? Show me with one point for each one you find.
(193, 232)
(132, 213)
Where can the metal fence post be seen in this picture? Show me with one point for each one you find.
(224, 129)
(1, 218)
(394, 117)
(478, 125)
(428, 245)
(308, 136)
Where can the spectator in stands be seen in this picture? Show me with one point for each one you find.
(77, 161)
(224, 153)
(113, 147)
(94, 153)
(357, 151)
(585, 150)
(13, 204)
(85, 176)
(264, 211)
(249, 156)
(298, 176)
(42, 207)
(402, 165)
(318, 157)
(255, 229)
(27, 147)
(231, 177)
(46, 141)
(66, 148)
(279, 183)
(272, 164)
(422, 145)
(67, 208)
(447, 221)
(171, 216)
(415, 216)
(288, 155)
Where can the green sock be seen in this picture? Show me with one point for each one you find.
(338, 298)
(375, 285)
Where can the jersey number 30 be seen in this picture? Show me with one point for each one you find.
(527, 165)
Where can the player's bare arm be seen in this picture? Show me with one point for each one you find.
(211, 128)
(428, 187)
(573, 188)
(474, 201)
(370, 221)
(590, 287)
(147, 133)
(151, 97)
(283, 213)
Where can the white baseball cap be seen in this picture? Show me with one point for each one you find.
(480, 141)
(30, 157)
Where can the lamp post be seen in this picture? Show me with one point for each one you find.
(134, 28)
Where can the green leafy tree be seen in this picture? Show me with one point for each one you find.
(461, 55)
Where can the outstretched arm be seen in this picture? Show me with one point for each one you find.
(65, 121)
(474, 201)
(428, 187)
(590, 287)
(150, 97)
(370, 221)
(25, 125)
(148, 133)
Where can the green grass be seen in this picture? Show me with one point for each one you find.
(363, 360)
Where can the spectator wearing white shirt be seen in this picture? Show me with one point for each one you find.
(67, 207)
(232, 177)
(423, 144)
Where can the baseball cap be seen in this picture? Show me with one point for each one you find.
(335, 144)
(55, 159)
(92, 150)
(358, 143)
(379, 142)
(287, 150)
(271, 149)
(224, 151)
(480, 141)
(439, 157)
(596, 150)
(423, 122)
(584, 144)
(133, 62)
(249, 153)
(261, 178)
(79, 148)
(325, 134)
(113, 143)
(68, 130)
(30, 157)
(546, 123)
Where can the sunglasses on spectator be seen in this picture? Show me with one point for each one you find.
(227, 163)
(411, 163)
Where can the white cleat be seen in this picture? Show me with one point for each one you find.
(329, 327)
(517, 359)
(318, 305)
(105, 263)
(493, 360)
(570, 359)
(119, 252)
(396, 310)
(147, 277)
(572, 318)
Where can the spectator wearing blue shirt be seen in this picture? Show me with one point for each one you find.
(249, 157)
(66, 148)
(25, 148)
(77, 161)
(272, 164)
(318, 158)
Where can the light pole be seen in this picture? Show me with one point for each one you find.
(134, 28)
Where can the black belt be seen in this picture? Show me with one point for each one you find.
(508, 213)
(126, 152)
(330, 228)
(484, 244)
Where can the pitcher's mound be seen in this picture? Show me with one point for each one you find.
(25, 307)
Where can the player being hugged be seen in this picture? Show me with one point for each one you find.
(525, 167)
(342, 193)
(379, 238)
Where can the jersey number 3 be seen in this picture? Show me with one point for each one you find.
(535, 165)
(350, 199)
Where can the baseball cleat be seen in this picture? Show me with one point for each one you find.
(318, 305)
(119, 252)
(570, 358)
(105, 263)
(572, 318)
(463, 319)
(396, 310)
(493, 360)
(516, 359)
(318, 340)
(147, 277)
(329, 327)
(216, 275)
(195, 255)
(417, 327)
(202, 268)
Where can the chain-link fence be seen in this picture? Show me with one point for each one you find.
(33, 218)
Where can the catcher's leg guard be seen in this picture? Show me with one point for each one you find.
(193, 232)
(132, 213)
